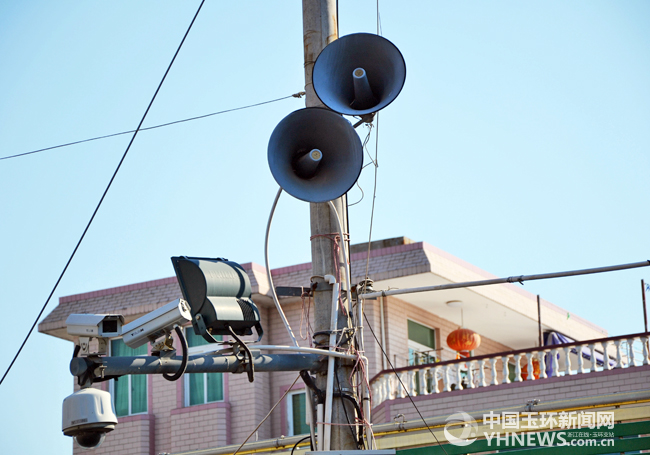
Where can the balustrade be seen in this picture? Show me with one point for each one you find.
(586, 357)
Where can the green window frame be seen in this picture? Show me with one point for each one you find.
(201, 388)
(129, 392)
(297, 413)
(421, 343)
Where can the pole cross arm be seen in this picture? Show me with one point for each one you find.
(512, 279)
(102, 367)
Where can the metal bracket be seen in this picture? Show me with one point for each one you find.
(164, 347)
(293, 291)
(367, 118)
(320, 285)
(250, 369)
(400, 423)
(530, 404)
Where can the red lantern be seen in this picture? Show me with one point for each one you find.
(463, 340)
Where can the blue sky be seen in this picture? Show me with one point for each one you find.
(520, 143)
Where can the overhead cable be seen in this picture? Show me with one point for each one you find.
(374, 193)
(295, 95)
(286, 392)
(135, 132)
(402, 384)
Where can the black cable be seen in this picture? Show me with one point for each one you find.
(181, 370)
(103, 196)
(352, 400)
(403, 386)
(309, 382)
(320, 397)
(303, 439)
(295, 95)
(355, 434)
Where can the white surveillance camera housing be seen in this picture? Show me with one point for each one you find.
(100, 326)
(156, 324)
(88, 415)
(95, 325)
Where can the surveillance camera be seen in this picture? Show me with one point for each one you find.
(156, 324)
(95, 325)
(88, 415)
(100, 326)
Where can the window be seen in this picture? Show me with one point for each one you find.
(422, 344)
(129, 392)
(201, 388)
(297, 413)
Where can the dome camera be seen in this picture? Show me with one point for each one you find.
(88, 415)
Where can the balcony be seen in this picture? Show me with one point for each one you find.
(581, 358)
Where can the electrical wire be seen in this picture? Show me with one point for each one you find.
(402, 384)
(267, 415)
(103, 195)
(181, 370)
(268, 271)
(365, 147)
(295, 95)
(345, 257)
(362, 193)
(374, 193)
(297, 443)
(380, 32)
(358, 434)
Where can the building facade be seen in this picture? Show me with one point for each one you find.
(207, 413)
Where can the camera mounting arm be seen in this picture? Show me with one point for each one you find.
(102, 368)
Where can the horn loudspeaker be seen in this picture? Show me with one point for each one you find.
(359, 74)
(315, 155)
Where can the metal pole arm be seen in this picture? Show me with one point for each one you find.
(119, 366)
(512, 279)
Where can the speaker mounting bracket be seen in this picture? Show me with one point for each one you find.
(366, 118)
(293, 291)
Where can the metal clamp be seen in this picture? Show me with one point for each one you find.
(250, 369)
(530, 404)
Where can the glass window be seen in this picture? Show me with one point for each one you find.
(129, 392)
(201, 388)
(297, 413)
(422, 344)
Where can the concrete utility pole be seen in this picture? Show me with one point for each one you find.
(319, 29)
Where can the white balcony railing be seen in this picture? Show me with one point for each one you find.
(580, 357)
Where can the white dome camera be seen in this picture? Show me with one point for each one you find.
(88, 415)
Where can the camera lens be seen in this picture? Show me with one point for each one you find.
(90, 440)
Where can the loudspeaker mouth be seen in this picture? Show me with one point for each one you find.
(315, 155)
(359, 74)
